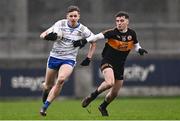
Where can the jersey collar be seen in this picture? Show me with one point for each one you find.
(73, 27)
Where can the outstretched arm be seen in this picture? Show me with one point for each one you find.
(91, 51)
(82, 42)
(95, 37)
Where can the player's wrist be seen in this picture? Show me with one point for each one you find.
(51, 36)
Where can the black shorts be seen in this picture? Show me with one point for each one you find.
(117, 66)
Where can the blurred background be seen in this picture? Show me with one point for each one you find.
(23, 54)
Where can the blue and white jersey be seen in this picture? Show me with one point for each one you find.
(63, 47)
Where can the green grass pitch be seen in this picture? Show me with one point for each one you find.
(154, 108)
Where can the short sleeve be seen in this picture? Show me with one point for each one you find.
(108, 33)
(87, 33)
(135, 37)
(57, 27)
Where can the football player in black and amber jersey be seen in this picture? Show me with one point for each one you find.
(120, 41)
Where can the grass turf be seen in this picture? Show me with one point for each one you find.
(154, 108)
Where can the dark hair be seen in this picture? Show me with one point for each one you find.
(73, 8)
(122, 13)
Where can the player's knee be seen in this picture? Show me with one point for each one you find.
(60, 82)
(61, 77)
(110, 83)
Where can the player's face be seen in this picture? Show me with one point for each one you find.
(73, 18)
(122, 23)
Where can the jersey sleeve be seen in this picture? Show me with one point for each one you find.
(53, 28)
(49, 30)
(135, 37)
(87, 33)
(108, 33)
(57, 27)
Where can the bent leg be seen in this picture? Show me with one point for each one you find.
(112, 94)
(108, 80)
(49, 82)
(64, 72)
(108, 83)
(50, 77)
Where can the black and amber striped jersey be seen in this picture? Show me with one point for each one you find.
(118, 44)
